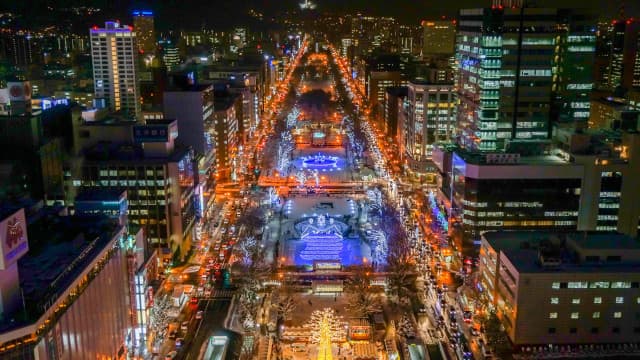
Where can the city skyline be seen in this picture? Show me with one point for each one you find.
(172, 13)
(295, 180)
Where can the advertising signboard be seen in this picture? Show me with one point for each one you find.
(13, 236)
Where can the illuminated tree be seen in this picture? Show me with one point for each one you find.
(285, 147)
(301, 177)
(292, 118)
(326, 327)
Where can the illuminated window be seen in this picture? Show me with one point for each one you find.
(555, 300)
(575, 301)
(597, 300)
(596, 315)
(575, 315)
(553, 315)
(617, 314)
(619, 300)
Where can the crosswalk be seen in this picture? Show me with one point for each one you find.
(220, 294)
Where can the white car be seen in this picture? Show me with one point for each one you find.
(223, 230)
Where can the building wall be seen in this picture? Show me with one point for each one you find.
(561, 307)
(96, 325)
(576, 316)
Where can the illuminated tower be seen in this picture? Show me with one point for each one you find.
(324, 346)
(114, 55)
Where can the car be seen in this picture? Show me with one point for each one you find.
(223, 230)
(199, 314)
(172, 355)
(474, 332)
(179, 342)
(184, 327)
(467, 315)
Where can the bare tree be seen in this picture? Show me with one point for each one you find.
(286, 303)
(253, 219)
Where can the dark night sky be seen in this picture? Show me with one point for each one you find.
(193, 13)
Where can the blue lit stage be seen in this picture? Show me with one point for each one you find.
(320, 239)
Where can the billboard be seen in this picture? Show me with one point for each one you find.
(13, 235)
(19, 90)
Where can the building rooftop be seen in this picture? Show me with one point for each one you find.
(533, 156)
(128, 153)
(189, 88)
(225, 102)
(536, 251)
(60, 248)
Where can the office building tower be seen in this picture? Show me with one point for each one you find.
(553, 289)
(393, 100)
(431, 118)
(382, 72)
(63, 282)
(573, 78)
(159, 176)
(505, 57)
(585, 182)
(145, 33)
(439, 37)
(604, 32)
(114, 54)
(227, 135)
(192, 107)
(624, 60)
(170, 54)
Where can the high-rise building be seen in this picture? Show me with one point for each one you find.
(553, 289)
(143, 25)
(431, 118)
(114, 54)
(573, 77)
(170, 54)
(393, 99)
(439, 37)
(382, 72)
(227, 134)
(506, 58)
(624, 60)
(192, 107)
